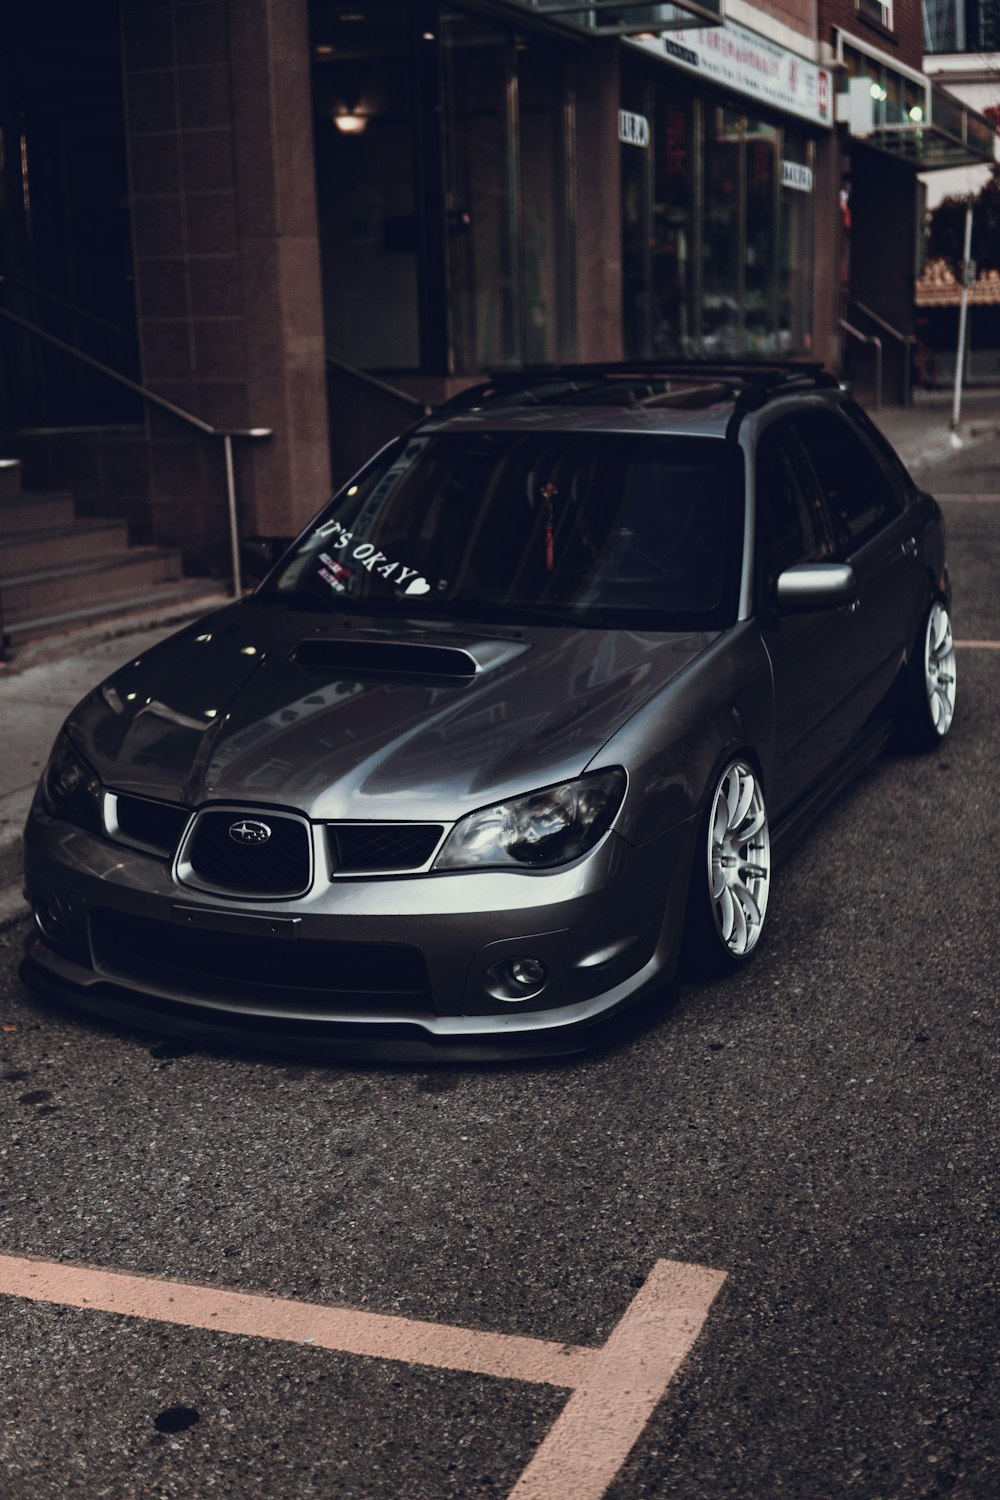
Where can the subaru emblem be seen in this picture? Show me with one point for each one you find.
(248, 831)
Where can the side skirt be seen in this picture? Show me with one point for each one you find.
(798, 820)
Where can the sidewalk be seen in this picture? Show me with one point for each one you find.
(922, 435)
(44, 680)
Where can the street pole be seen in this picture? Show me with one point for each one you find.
(963, 315)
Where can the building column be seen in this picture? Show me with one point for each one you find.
(598, 205)
(226, 255)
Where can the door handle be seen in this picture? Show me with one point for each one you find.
(909, 547)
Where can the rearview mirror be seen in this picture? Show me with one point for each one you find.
(810, 586)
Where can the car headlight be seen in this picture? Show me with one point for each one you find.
(545, 828)
(70, 789)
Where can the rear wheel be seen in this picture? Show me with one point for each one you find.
(927, 700)
(731, 876)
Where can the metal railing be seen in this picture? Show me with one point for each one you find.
(876, 343)
(225, 433)
(906, 339)
(368, 379)
(31, 290)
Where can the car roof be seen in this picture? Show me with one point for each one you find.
(685, 397)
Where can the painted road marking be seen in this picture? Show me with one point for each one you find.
(977, 645)
(616, 1387)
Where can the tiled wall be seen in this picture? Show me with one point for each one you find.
(226, 255)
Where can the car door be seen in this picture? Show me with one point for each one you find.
(810, 653)
(873, 532)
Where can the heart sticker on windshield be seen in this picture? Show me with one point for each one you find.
(418, 586)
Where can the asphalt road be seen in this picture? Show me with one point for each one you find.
(822, 1128)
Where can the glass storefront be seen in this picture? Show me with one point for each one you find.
(447, 173)
(445, 185)
(717, 215)
(366, 184)
(509, 132)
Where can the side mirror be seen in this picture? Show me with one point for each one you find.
(812, 586)
(259, 554)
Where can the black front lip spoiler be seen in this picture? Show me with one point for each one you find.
(343, 1041)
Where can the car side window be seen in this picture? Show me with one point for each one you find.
(791, 524)
(898, 472)
(860, 497)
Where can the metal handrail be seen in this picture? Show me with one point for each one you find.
(868, 338)
(225, 433)
(906, 339)
(380, 385)
(79, 312)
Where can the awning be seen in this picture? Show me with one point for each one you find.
(612, 18)
(897, 110)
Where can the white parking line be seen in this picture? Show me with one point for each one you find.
(977, 645)
(615, 1387)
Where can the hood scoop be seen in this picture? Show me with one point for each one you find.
(384, 657)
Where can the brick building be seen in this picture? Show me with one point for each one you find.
(314, 217)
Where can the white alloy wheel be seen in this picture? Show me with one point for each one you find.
(939, 669)
(739, 859)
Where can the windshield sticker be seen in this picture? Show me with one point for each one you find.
(336, 574)
(333, 573)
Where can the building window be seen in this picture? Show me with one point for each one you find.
(717, 225)
(366, 184)
(879, 11)
(509, 196)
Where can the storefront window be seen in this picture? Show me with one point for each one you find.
(796, 220)
(722, 264)
(479, 91)
(509, 196)
(365, 182)
(675, 160)
(716, 229)
(637, 223)
(547, 206)
(760, 288)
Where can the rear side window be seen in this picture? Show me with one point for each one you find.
(860, 497)
(791, 522)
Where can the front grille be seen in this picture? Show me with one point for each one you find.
(158, 824)
(382, 846)
(262, 972)
(279, 866)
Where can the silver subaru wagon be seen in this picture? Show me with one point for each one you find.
(523, 717)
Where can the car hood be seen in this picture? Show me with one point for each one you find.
(362, 718)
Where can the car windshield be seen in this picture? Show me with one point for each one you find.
(641, 531)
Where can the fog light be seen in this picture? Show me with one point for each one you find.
(516, 979)
(48, 918)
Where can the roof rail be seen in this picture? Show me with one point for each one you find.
(749, 381)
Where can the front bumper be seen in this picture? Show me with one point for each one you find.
(606, 929)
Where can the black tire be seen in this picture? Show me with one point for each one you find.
(925, 707)
(730, 876)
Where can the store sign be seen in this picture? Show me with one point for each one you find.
(633, 130)
(748, 64)
(795, 175)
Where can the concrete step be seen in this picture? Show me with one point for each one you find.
(28, 551)
(35, 512)
(10, 477)
(82, 586)
(170, 603)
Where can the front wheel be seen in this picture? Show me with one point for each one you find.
(731, 875)
(927, 700)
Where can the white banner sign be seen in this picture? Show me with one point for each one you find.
(633, 130)
(740, 60)
(795, 175)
